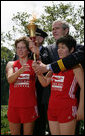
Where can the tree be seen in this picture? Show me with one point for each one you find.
(6, 55)
(61, 11)
(67, 13)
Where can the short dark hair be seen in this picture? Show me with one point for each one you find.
(68, 40)
(23, 39)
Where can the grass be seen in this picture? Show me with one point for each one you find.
(4, 121)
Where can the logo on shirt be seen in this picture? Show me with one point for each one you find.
(57, 82)
(58, 78)
(22, 81)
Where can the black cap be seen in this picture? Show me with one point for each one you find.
(40, 32)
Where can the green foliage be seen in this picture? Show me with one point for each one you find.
(4, 84)
(21, 21)
(6, 54)
(4, 121)
(7, 40)
(80, 128)
(63, 12)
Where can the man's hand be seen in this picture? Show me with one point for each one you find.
(39, 67)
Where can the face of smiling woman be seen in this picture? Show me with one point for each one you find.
(63, 50)
(21, 49)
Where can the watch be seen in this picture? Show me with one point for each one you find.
(48, 67)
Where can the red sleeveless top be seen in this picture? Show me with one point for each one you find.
(22, 93)
(63, 89)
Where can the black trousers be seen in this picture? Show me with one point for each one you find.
(21, 130)
(41, 124)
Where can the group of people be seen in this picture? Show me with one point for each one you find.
(45, 90)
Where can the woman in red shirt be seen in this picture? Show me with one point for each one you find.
(62, 107)
(22, 106)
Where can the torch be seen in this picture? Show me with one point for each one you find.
(32, 29)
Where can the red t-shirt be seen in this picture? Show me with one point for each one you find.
(63, 89)
(22, 93)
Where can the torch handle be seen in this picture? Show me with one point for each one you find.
(34, 55)
(33, 38)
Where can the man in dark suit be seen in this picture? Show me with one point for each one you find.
(66, 63)
(59, 29)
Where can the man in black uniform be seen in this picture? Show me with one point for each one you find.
(40, 123)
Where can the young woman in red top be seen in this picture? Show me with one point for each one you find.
(22, 106)
(62, 108)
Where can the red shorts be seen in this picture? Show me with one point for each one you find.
(22, 115)
(62, 115)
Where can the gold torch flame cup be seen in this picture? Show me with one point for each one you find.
(32, 29)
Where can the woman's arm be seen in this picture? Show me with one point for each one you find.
(79, 73)
(45, 80)
(12, 76)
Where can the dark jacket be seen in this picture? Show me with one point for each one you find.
(71, 60)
